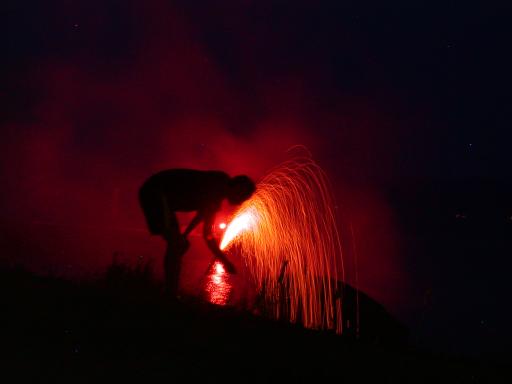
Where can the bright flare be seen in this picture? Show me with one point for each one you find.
(242, 222)
(287, 237)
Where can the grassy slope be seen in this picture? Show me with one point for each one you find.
(122, 327)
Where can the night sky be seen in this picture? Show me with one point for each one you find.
(405, 105)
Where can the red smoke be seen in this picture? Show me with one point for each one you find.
(100, 124)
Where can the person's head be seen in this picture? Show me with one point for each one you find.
(240, 188)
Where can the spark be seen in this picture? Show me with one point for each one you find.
(222, 225)
(287, 237)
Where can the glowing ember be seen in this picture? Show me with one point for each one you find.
(222, 225)
(287, 237)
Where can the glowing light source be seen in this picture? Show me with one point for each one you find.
(241, 222)
(287, 237)
(222, 225)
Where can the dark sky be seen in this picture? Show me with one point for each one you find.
(404, 105)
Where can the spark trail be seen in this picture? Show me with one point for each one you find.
(287, 237)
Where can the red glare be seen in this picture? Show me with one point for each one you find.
(219, 268)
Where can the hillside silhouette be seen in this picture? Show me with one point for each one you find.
(121, 326)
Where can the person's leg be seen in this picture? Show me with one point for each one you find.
(176, 247)
(172, 257)
(172, 266)
(162, 221)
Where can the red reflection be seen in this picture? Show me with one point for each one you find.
(218, 285)
(219, 268)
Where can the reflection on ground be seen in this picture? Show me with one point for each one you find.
(218, 285)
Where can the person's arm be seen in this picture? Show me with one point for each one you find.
(209, 219)
(195, 221)
(211, 242)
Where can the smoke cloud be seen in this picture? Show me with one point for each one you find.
(114, 91)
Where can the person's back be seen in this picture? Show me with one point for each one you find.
(185, 190)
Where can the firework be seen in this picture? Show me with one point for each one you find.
(287, 237)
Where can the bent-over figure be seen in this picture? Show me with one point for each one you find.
(186, 190)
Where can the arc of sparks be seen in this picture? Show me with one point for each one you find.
(288, 239)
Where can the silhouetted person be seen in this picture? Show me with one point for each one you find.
(186, 190)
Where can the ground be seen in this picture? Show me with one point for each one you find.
(121, 327)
